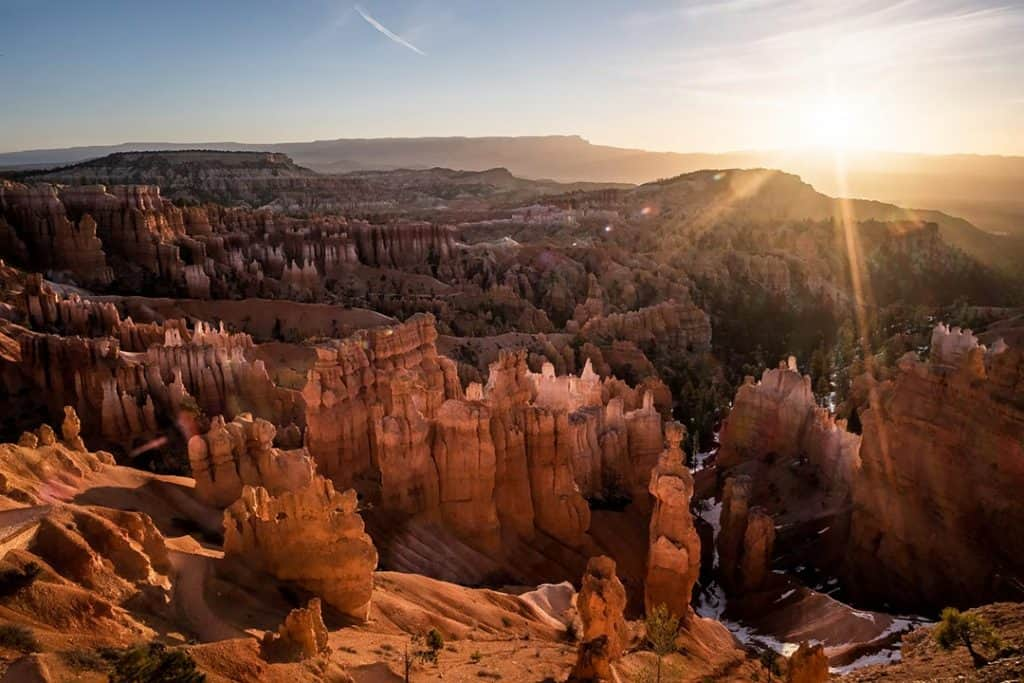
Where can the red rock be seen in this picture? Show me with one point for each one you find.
(312, 536)
(241, 453)
(808, 665)
(673, 562)
(935, 515)
(601, 603)
(301, 636)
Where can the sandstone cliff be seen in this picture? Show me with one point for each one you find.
(935, 516)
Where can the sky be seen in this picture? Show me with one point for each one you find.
(932, 76)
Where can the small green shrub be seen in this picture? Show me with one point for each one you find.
(662, 631)
(970, 630)
(433, 643)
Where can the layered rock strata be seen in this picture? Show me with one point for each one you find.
(778, 417)
(124, 396)
(301, 636)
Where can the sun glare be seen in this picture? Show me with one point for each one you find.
(834, 122)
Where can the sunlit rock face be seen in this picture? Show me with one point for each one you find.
(778, 418)
(386, 413)
(41, 468)
(922, 503)
(601, 603)
(130, 382)
(240, 453)
(673, 561)
(390, 379)
(936, 516)
(312, 536)
(807, 665)
(301, 636)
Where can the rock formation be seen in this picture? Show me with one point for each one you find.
(385, 412)
(112, 552)
(311, 536)
(71, 428)
(51, 240)
(808, 665)
(779, 418)
(125, 396)
(680, 322)
(746, 539)
(356, 377)
(673, 561)
(601, 603)
(40, 470)
(301, 636)
(935, 518)
(240, 453)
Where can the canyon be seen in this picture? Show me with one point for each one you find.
(294, 424)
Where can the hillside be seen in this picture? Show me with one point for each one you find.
(982, 189)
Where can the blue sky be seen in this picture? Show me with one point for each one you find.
(699, 75)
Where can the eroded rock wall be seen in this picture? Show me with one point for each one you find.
(311, 536)
(936, 517)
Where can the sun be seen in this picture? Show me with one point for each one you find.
(835, 122)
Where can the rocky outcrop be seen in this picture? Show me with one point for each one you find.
(390, 376)
(808, 665)
(50, 239)
(134, 223)
(746, 539)
(778, 419)
(240, 453)
(40, 470)
(601, 603)
(301, 636)
(935, 517)
(464, 453)
(682, 324)
(71, 429)
(125, 396)
(385, 412)
(402, 244)
(111, 552)
(673, 560)
(313, 537)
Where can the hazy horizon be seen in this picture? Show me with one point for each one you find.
(796, 152)
(939, 77)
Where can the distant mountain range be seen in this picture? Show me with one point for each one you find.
(983, 189)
